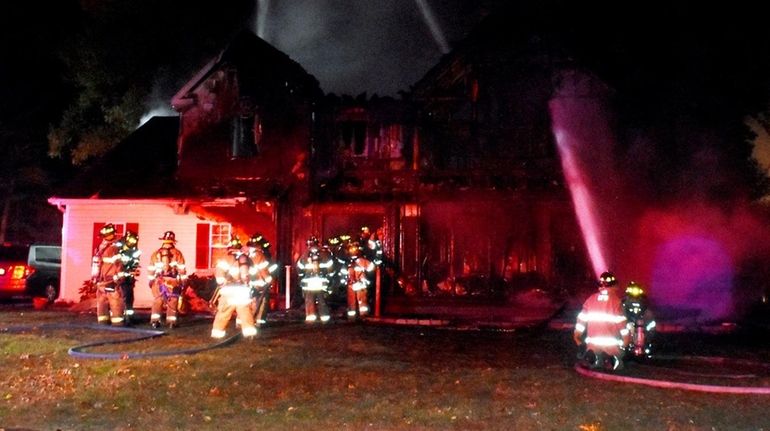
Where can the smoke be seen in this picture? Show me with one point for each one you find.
(698, 258)
(263, 9)
(158, 102)
(354, 47)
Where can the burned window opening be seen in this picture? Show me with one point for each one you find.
(246, 136)
(353, 134)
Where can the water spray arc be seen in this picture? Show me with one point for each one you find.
(582, 200)
(585, 142)
(433, 26)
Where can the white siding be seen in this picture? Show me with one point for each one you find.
(153, 218)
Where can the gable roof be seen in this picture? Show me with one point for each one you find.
(256, 60)
(142, 165)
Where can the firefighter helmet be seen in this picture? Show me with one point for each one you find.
(107, 231)
(168, 236)
(365, 232)
(312, 241)
(354, 249)
(333, 241)
(256, 240)
(130, 238)
(607, 279)
(634, 290)
(234, 244)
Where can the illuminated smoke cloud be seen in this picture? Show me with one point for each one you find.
(354, 46)
(263, 9)
(158, 104)
(698, 260)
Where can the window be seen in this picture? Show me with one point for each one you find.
(211, 243)
(120, 229)
(353, 136)
(246, 136)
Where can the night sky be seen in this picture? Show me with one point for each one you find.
(351, 46)
(382, 47)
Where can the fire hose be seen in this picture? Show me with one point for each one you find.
(140, 334)
(670, 384)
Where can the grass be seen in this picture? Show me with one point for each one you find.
(345, 376)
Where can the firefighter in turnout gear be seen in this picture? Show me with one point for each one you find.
(263, 270)
(129, 258)
(641, 322)
(105, 267)
(167, 276)
(235, 282)
(314, 269)
(339, 249)
(601, 330)
(371, 244)
(359, 268)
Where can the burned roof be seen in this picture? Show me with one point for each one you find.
(258, 64)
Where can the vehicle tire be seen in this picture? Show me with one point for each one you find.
(51, 291)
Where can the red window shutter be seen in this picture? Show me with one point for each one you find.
(202, 246)
(96, 239)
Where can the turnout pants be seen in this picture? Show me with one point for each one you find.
(358, 302)
(109, 303)
(128, 296)
(234, 299)
(315, 306)
(165, 292)
(262, 304)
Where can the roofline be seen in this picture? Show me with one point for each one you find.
(57, 201)
(179, 98)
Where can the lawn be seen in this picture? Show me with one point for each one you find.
(346, 376)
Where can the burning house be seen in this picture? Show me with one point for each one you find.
(460, 178)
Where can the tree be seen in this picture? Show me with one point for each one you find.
(126, 52)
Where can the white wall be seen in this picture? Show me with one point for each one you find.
(153, 217)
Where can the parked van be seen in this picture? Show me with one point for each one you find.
(30, 271)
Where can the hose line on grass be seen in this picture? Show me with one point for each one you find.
(668, 384)
(141, 334)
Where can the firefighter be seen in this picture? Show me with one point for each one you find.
(641, 323)
(359, 269)
(339, 248)
(167, 275)
(263, 269)
(129, 258)
(372, 244)
(314, 270)
(235, 281)
(105, 267)
(601, 329)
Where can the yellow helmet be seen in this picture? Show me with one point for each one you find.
(634, 289)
